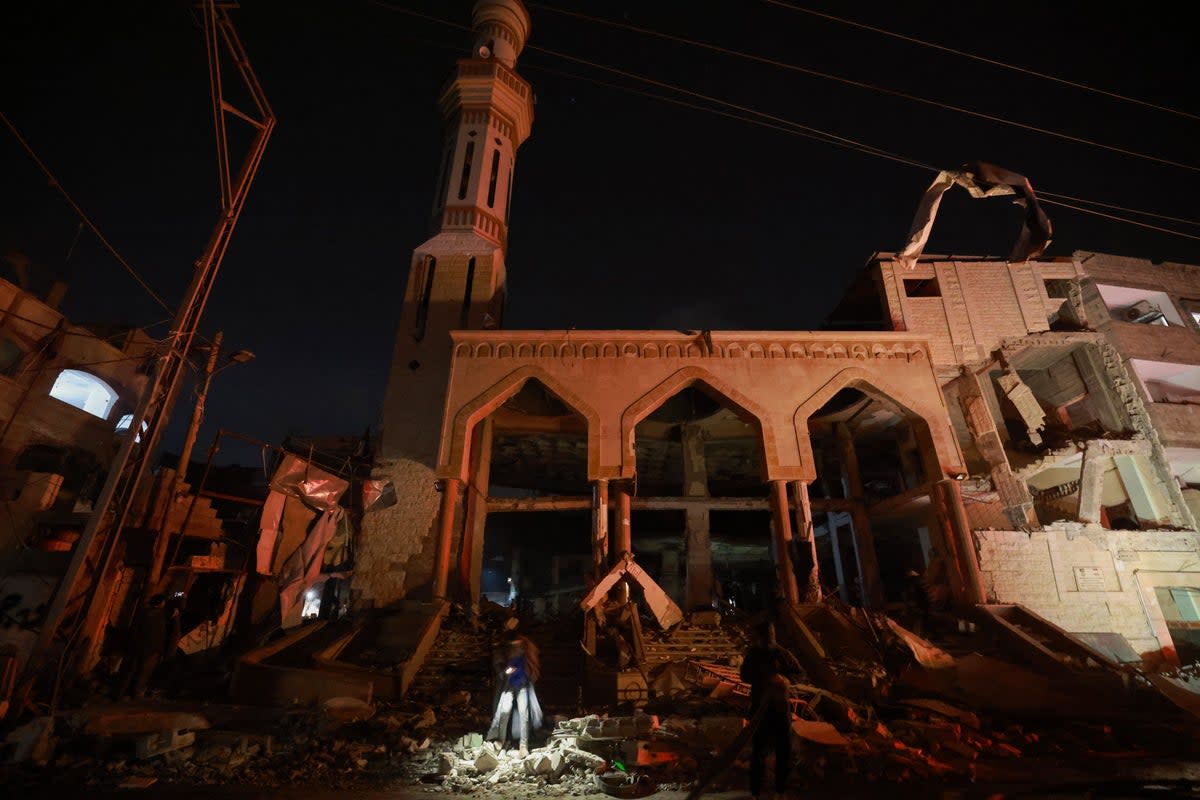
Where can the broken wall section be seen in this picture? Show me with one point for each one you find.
(1092, 582)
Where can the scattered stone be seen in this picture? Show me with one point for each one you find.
(486, 761)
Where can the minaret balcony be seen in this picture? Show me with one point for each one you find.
(472, 218)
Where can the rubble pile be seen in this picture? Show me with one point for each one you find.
(897, 710)
(343, 742)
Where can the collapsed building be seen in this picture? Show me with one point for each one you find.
(1024, 425)
(1018, 431)
(67, 393)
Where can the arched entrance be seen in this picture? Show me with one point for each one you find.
(700, 521)
(526, 539)
(876, 516)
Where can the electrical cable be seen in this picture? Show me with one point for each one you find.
(984, 59)
(786, 126)
(1043, 193)
(851, 82)
(84, 335)
(82, 216)
(1120, 219)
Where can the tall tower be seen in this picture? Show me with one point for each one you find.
(456, 281)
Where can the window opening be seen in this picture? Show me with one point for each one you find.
(1057, 289)
(492, 180)
(85, 392)
(126, 422)
(922, 287)
(466, 170)
(423, 306)
(1192, 307)
(464, 317)
(444, 178)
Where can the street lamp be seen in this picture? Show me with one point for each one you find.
(211, 368)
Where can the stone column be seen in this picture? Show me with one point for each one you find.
(1014, 494)
(696, 520)
(451, 491)
(872, 587)
(470, 555)
(624, 542)
(599, 527)
(1091, 483)
(959, 540)
(783, 543)
(699, 560)
(807, 538)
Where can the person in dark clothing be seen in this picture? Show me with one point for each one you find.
(151, 632)
(766, 667)
(517, 668)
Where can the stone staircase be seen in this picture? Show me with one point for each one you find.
(461, 658)
(703, 643)
(156, 493)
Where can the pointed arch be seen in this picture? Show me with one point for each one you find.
(939, 453)
(678, 381)
(456, 442)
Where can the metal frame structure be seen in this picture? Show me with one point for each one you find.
(74, 617)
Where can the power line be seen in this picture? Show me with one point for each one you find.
(984, 59)
(1120, 219)
(784, 125)
(861, 85)
(817, 133)
(86, 334)
(84, 217)
(1042, 193)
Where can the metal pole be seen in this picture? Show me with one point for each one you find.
(163, 534)
(125, 474)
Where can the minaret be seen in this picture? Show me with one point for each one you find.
(456, 281)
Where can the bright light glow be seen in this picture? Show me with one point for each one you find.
(84, 391)
(125, 421)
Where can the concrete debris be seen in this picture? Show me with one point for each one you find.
(343, 710)
(925, 721)
(486, 761)
(819, 732)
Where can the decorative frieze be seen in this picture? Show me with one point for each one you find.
(469, 345)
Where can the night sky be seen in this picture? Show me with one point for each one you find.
(628, 212)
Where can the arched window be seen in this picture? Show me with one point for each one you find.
(492, 180)
(84, 391)
(126, 422)
(466, 170)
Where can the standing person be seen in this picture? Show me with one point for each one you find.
(150, 632)
(516, 665)
(765, 668)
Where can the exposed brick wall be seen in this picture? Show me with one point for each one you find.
(1039, 570)
(1182, 280)
(981, 303)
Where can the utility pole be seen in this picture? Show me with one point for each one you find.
(162, 537)
(75, 619)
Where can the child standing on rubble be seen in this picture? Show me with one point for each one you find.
(515, 663)
(766, 667)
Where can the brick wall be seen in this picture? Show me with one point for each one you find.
(1089, 581)
(980, 304)
(1182, 280)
